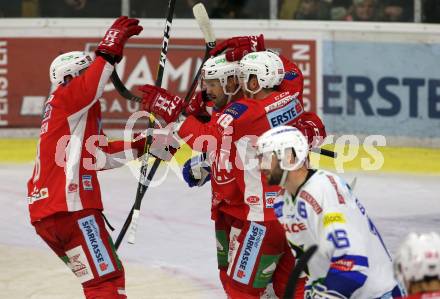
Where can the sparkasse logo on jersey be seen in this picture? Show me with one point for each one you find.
(95, 245)
(249, 253)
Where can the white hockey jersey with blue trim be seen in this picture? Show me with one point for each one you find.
(352, 260)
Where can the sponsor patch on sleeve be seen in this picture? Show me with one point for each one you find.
(348, 263)
(99, 253)
(335, 185)
(236, 110)
(249, 252)
(342, 265)
(290, 75)
(311, 201)
(335, 217)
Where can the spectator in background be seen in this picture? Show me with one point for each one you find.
(398, 11)
(363, 10)
(80, 8)
(313, 10)
(30, 8)
(229, 9)
(257, 9)
(158, 9)
(339, 10)
(148, 9)
(305, 9)
(76, 4)
(288, 8)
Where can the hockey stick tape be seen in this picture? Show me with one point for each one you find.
(202, 19)
(131, 237)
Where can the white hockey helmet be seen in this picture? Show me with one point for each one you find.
(219, 68)
(265, 65)
(66, 64)
(418, 257)
(279, 140)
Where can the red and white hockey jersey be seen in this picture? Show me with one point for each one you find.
(238, 188)
(72, 147)
(235, 166)
(244, 193)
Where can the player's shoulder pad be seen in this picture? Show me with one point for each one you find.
(236, 110)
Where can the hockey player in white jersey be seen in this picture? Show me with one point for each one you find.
(318, 207)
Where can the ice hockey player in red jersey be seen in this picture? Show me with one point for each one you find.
(245, 270)
(417, 265)
(64, 195)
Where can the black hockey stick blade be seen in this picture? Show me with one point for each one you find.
(300, 266)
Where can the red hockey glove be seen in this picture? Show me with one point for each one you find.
(116, 36)
(161, 103)
(312, 127)
(239, 46)
(196, 105)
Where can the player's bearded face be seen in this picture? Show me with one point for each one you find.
(270, 168)
(214, 90)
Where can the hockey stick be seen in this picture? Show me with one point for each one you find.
(325, 152)
(353, 184)
(202, 19)
(204, 23)
(300, 266)
(130, 224)
(122, 90)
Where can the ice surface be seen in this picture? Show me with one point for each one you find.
(175, 253)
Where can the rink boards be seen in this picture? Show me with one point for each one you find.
(353, 158)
